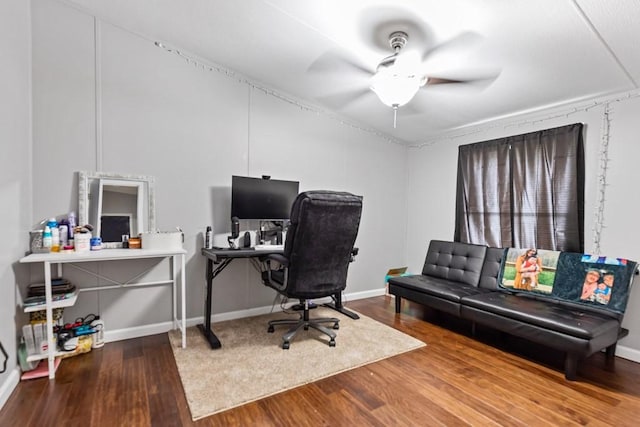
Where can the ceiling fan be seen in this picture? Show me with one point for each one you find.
(399, 76)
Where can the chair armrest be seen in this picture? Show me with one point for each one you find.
(354, 252)
(265, 267)
(279, 258)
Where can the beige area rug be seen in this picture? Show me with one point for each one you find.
(252, 365)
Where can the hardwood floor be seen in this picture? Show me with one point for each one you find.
(489, 379)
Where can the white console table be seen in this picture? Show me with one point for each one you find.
(177, 264)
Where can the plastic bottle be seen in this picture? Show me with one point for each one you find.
(64, 235)
(55, 239)
(46, 237)
(55, 234)
(208, 240)
(72, 225)
(98, 337)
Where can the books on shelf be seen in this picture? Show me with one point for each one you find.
(58, 286)
(61, 290)
(40, 300)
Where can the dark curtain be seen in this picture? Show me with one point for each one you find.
(523, 191)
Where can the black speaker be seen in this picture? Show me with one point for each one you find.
(247, 240)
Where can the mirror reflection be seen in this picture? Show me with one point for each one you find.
(116, 205)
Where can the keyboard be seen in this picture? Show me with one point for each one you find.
(269, 247)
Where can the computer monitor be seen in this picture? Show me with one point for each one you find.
(262, 198)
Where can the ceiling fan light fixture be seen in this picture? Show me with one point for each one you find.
(395, 89)
(396, 81)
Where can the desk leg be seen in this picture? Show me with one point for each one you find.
(183, 301)
(206, 327)
(174, 291)
(51, 342)
(338, 306)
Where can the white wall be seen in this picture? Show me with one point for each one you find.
(15, 172)
(106, 99)
(432, 184)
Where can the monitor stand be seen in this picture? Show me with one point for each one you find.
(267, 232)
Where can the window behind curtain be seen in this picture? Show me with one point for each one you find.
(523, 191)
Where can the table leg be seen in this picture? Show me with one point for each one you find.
(183, 301)
(51, 342)
(206, 327)
(174, 292)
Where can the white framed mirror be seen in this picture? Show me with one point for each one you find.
(116, 204)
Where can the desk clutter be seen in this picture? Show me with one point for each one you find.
(70, 339)
(65, 236)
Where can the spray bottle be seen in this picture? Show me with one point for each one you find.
(72, 225)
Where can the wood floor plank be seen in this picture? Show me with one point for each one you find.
(562, 400)
(457, 379)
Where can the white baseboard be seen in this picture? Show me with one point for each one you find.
(9, 385)
(362, 295)
(239, 314)
(137, 331)
(159, 328)
(628, 353)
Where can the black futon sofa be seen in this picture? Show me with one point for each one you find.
(463, 280)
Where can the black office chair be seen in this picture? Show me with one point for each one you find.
(317, 253)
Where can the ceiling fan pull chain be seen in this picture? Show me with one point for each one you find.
(395, 115)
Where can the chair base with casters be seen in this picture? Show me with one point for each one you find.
(305, 322)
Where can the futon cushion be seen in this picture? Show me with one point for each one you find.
(455, 261)
(435, 286)
(491, 268)
(547, 314)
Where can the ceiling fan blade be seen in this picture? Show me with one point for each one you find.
(334, 64)
(338, 101)
(460, 42)
(480, 81)
(438, 81)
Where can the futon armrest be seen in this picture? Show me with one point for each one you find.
(354, 252)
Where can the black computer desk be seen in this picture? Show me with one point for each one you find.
(222, 258)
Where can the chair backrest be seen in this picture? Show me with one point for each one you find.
(323, 230)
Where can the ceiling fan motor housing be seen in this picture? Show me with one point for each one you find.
(398, 39)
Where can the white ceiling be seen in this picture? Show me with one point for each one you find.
(545, 52)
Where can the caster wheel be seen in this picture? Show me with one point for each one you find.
(285, 346)
(306, 328)
(336, 326)
(332, 343)
(270, 329)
